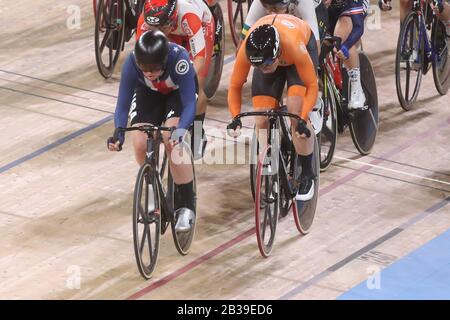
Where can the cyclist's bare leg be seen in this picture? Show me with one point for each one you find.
(179, 157)
(405, 8)
(199, 64)
(262, 124)
(139, 143)
(303, 146)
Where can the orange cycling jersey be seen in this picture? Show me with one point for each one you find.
(294, 35)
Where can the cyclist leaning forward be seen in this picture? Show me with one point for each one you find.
(277, 46)
(190, 24)
(159, 84)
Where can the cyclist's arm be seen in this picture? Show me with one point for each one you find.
(238, 78)
(191, 25)
(187, 87)
(128, 82)
(306, 71)
(357, 16)
(306, 11)
(256, 12)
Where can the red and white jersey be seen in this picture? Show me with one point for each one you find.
(194, 22)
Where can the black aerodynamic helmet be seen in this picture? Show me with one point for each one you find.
(263, 45)
(151, 50)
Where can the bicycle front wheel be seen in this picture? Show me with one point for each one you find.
(329, 133)
(109, 35)
(146, 221)
(266, 201)
(409, 62)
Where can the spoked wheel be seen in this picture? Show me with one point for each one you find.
(304, 211)
(266, 202)
(364, 125)
(109, 35)
(441, 65)
(329, 133)
(146, 221)
(182, 240)
(409, 62)
(237, 11)
(215, 68)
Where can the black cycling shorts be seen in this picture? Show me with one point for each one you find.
(149, 106)
(272, 84)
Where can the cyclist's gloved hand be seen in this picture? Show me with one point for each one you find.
(115, 142)
(385, 5)
(177, 135)
(234, 128)
(302, 128)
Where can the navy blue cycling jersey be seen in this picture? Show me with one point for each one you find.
(179, 75)
(357, 11)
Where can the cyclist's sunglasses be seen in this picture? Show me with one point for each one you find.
(150, 68)
(262, 63)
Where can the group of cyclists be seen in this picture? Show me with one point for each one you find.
(162, 80)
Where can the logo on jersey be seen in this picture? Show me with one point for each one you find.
(182, 67)
(185, 27)
(288, 24)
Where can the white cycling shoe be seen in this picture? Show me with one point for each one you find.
(185, 220)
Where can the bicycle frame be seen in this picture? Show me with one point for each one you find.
(275, 116)
(152, 158)
(421, 7)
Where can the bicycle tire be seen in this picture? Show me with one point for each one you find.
(441, 68)
(268, 185)
(103, 21)
(407, 102)
(147, 219)
(305, 211)
(329, 130)
(364, 125)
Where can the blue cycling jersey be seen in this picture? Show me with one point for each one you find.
(179, 75)
(357, 11)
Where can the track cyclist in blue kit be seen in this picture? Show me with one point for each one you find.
(346, 19)
(158, 85)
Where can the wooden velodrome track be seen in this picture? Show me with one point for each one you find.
(65, 209)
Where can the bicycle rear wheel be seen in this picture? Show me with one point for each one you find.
(304, 211)
(109, 35)
(409, 62)
(364, 125)
(329, 133)
(237, 11)
(216, 66)
(266, 202)
(441, 63)
(182, 240)
(146, 221)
